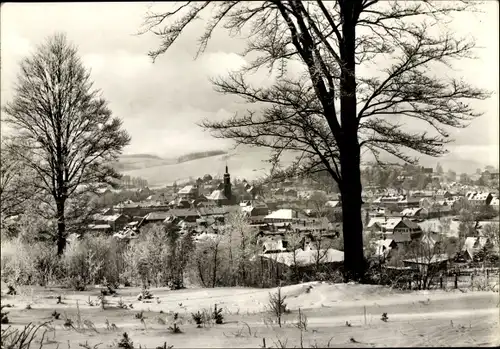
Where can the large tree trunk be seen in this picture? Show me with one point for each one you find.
(61, 227)
(350, 156)
(352, 224)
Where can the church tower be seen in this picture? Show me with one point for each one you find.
(227, 184)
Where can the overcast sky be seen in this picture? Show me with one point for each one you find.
(161, 102)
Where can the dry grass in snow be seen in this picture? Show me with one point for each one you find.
(337, 314)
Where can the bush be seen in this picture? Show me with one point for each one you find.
(21, 338)
(4, 319)
(217, 315)
(197, 318)
(202, 318)
(174, 329)
(17, 265)
(94, 259)
(139, 315)
(145, 294)
(125, 342)
(48, 266)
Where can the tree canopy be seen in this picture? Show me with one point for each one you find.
(366, 66)
(63, 129)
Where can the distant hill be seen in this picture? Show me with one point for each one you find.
(137, 164)
(200, 155)
(244, 162)
(135, 156)
(130, 162)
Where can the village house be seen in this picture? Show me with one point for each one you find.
(479, 198)
(428, 265)
(473, 245)
(386, 200)
(384, 248)
(408, 202)
(188, 215)
(283, 215)
(131, 209)
(188, 192)
(440, 208)
(115, 222)
(422, 193)
(415, 213)
(336, 205)
(153, 218)
(495, 203)
(442, 194)
(302, 262)
(401, 230)
(254, 208)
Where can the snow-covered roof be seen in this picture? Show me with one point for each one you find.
(391, 223)
(106, 218)
(376, 220)
(411, 212)
(332, 203)
(383, 247)
(273, 245)
(473, 244)
(284, 213)
(304, 258)
(99, 226)
(156, 216)
(188, 189)
(426, 260)
(217, 195)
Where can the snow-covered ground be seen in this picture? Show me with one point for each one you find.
(418, 318)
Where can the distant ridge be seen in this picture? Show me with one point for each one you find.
(200, 155)
(146, 156)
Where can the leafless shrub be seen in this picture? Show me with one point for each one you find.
(102, 300)
(165, 346)
(301, 323)
(90, 302)
(110, 326)
(161, 320)
(121, 304)
(86, 345)
(90, 325)
(316, 345)
(277, 305)
(239, 333)
(22, 339)
(279, 343)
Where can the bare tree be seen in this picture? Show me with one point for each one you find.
(317, 201)
(429, 254)
(240, 246)
(328, 111)
(65, 132)
(16, 183)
